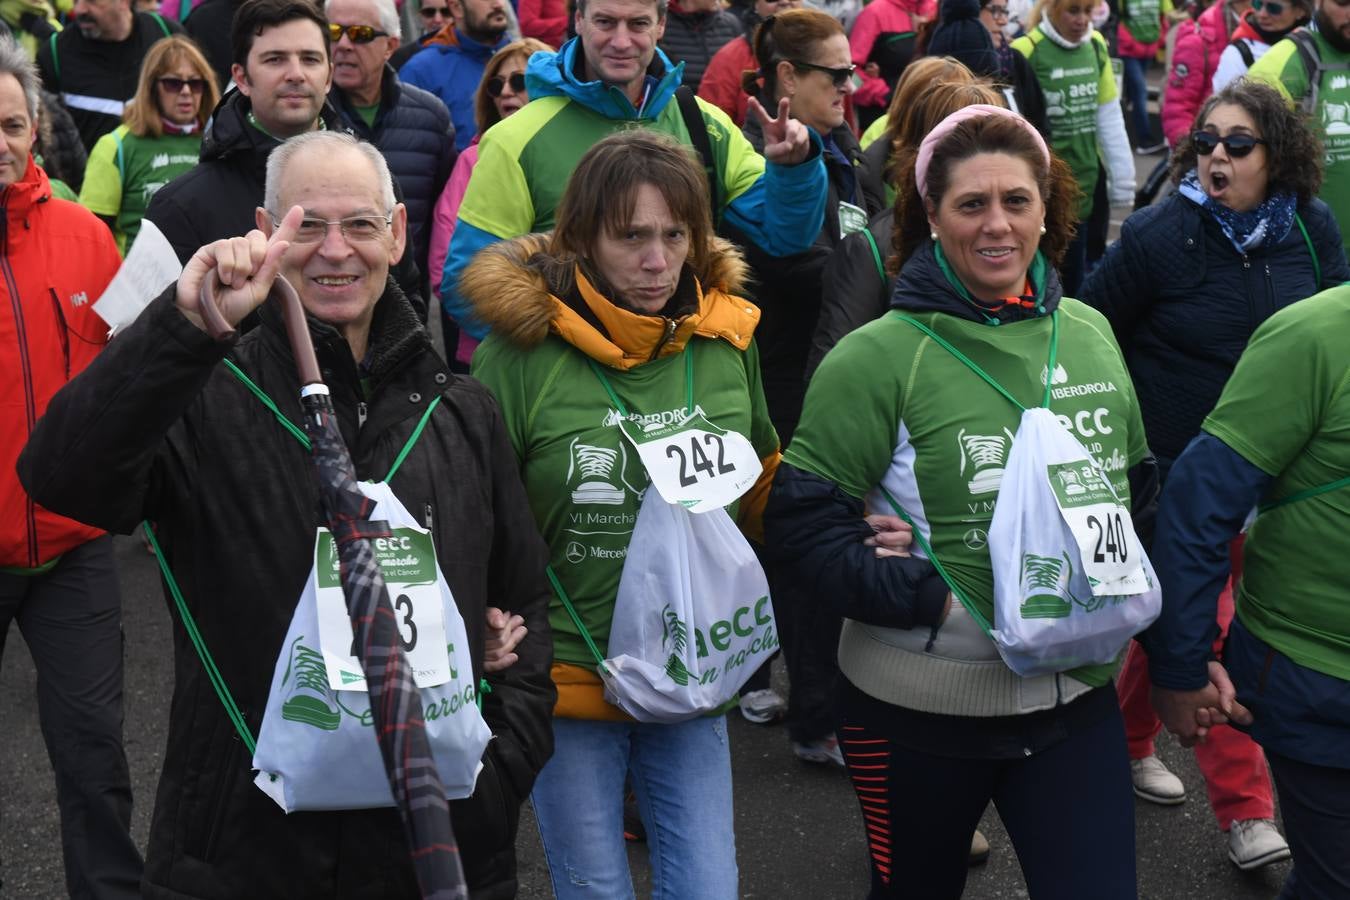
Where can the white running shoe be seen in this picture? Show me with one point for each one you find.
(1155, 783)
(822, 751)
(763, 707)
(1253, 843)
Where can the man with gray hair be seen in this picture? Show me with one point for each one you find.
(410, 126)
(58, 582)
(188, 442)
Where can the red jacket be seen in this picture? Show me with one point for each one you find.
(56, 258)
(1194, 60)
(721, 84)
(545, 20)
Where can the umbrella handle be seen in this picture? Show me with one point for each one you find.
(292, 311)
(297, 329)
(209, 308)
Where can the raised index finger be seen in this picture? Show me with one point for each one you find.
(287, 228)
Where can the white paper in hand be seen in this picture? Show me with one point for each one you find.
(150, 266)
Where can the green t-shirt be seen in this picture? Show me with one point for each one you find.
(1286, 410)
(1075, 83)
(125, 170)
(583, 478)
(890, 407)
(1143, 18)
(368, 114)
(1283, 68)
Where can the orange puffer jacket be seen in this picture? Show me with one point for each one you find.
(55, 260)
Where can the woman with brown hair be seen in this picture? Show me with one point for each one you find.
(160, 137)
(626, 319)
(857, 287)
(933, 723)
(500, 93)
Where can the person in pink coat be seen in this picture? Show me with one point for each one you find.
(1200, 43)
(882, 44)
(545, 20)
(500, 93)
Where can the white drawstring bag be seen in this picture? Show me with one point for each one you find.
(692, 620)
(317, 748)
(1072, 583)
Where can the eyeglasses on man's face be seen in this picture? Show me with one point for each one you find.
(358, 228)
(359, 34)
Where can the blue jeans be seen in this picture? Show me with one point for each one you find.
(681, 775)
(1136, 96)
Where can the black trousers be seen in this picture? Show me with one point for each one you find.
(71, 620)
(1315, 802)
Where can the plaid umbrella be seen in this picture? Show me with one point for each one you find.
(394, 700)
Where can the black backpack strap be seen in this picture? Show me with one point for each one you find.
(698, 136)
(1244, 49)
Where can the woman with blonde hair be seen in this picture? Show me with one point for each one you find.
(160, 137)
(878, 141)
(500, 93)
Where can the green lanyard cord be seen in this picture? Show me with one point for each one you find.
(209, 664)
(876, 254)
(623, 410)
(1317, 267)
(1304, 495)
(300, 435)
(189, 623)
(937, 564)
(576, 617)
(970, 364)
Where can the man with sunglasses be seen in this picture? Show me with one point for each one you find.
(453, 62)
(432, 16)
(94, 65)
(1310, 68)
(410, 126)
(283, 73)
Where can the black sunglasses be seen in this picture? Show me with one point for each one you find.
(1237, 145)
(428, 11)
(360, 34)
(840, 77)
(496, 84)
(176, 85)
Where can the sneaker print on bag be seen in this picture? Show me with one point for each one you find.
(1045, 581)
(309, 700)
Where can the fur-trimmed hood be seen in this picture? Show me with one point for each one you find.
(510, 293)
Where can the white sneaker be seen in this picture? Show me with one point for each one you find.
(822, 751)
(1253, 843)
(1155, 783)
(763, 707)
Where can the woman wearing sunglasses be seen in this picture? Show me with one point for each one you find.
(500, 93)
(1267, 22)
(159, 139)
(1184, 288)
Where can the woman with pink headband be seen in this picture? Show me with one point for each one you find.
(915, 413)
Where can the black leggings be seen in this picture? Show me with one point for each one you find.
(1069, 811)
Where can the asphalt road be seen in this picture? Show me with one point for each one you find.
(797, 826)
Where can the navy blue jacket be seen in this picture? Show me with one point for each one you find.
(1183, 303)
(413, 131)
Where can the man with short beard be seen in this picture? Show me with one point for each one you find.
(452, 63)
(1309, 68)
(95, 65)
(283, 72)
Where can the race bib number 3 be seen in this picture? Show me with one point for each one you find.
(694, 463)
(1111, 554)
(408, 562)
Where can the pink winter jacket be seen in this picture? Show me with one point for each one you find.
(877, 18)
(1196, 57)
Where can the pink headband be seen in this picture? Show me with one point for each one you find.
(948, 125)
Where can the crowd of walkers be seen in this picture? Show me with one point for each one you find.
(777, 330)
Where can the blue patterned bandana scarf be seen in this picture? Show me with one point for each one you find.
(1264, 226)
